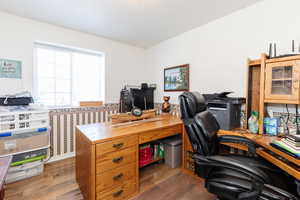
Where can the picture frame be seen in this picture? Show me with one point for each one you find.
(10, 69)
(177, 78)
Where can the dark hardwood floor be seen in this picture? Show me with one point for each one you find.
(58, 182)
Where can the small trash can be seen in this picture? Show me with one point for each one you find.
(173, 151)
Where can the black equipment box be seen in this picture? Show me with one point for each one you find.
(227, 110)
(141, 97)
(15, 101)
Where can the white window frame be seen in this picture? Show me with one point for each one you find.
(71, 50)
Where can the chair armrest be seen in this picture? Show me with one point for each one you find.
(280, 193)
(234, 164)
(254, 193)
(239, 140)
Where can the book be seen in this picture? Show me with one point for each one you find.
(297, 144)
(291, 144)
(286, 147)
(295, 138)
(285, 151)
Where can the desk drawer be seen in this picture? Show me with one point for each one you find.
(115, 177)
(116, 159)
(118, 193)
(116, 145)
(159, 134)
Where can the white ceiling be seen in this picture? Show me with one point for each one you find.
(141, 23)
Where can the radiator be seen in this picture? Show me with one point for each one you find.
(63, 123)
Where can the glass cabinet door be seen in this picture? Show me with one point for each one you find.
(282, 81)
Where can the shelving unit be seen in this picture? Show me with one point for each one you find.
(274, 80)
(24, 135)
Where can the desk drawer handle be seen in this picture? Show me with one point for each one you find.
(117, 177)
(117, 194)
(117, 160)
(118, 146)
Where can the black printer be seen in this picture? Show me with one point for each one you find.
(227, 110)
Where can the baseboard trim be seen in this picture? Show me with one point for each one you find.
(58, 158)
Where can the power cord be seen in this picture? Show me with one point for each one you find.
(297, 125)
(287, 120)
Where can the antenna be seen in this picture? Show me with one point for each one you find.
(270, 50)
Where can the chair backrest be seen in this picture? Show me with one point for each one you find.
(201, 125)
(191, 103)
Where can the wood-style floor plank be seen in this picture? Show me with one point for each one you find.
(58, 182)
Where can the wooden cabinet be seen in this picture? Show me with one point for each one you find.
(272, 80)
(282, 82)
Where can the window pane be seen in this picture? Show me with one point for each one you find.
(63, 72)
(63, 58)
(63, 99)
(47, 99)
(65, 77)
(63, 65)
(46, 70)
(86, 78)
(45, 55)
(63, 85)
(46, 85)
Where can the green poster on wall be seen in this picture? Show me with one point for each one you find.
(10, 69)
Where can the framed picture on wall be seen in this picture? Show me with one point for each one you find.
(177, 78)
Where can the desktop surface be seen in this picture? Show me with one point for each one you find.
(100, 132)
(282, 160)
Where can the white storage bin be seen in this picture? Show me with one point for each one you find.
(33, 124)
(33, 116)
(23, 142)
(20, 121)
(24, 171)
(7, 118)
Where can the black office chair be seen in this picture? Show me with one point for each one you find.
(230, 177)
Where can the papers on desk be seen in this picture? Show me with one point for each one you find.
(285, 146)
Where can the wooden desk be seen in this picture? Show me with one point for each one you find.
(107, 156)
(4, 165)
(284, 161)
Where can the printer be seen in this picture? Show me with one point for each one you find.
(227, 110)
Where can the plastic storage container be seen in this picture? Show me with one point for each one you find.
(173, 151)
(23, 158)
(24, 142)
(21, 121)
(24, 171)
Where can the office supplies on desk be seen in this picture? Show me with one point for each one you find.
(285, 148)
(166, 106)
(271, 126)
(127, 117)
(253, 122)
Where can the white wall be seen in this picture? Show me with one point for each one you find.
(123, 62)
(217, 52)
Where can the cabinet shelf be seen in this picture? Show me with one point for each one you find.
(152, 161)
(282, 79)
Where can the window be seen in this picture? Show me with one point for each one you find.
(66, 76)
